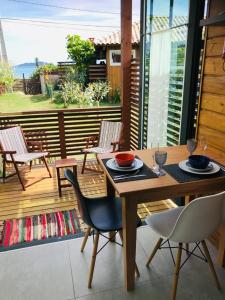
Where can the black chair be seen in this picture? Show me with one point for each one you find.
(102, 214)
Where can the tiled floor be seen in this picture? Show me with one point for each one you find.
(59, 272)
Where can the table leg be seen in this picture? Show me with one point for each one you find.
(59, 182)
(110, 192)
(75, 171)
(109, 188)
(129, 214)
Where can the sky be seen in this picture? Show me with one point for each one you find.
(27, 40)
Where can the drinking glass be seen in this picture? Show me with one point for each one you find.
(191, 145)
(203, 144)
(160, 159)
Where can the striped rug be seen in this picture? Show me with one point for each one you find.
(39, 229)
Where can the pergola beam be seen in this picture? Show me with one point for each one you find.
(126, 55)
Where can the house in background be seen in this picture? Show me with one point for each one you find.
(108, 50)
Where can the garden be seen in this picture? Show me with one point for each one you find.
(71, 88)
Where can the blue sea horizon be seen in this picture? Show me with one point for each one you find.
(26, 70)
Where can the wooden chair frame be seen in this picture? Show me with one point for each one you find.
(93, 141)
(95, 251)
(31, 147)
(177, 263)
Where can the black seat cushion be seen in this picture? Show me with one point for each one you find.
(106, 213)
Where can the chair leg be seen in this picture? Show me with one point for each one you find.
(176, 272)
(3, 169)
(187, 248)
(84, 162)
(47, 167)
(85, 238)
(19, 176)
(94, 254)
(136, 267)
(31, 164)
(207, 254)
(157, 246)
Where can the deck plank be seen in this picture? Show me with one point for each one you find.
(43, 197)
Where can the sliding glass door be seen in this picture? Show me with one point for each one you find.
(164, 39)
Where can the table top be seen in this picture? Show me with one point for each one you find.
(165, 186)
(66, 162)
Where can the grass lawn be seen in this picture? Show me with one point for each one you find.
(17, 102)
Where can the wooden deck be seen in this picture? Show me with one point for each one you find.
(42, 197)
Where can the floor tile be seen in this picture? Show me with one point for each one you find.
(195, 282)
(39, 272)
(108, 269)
(144, 290)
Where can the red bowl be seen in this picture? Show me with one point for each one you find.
(124, 159)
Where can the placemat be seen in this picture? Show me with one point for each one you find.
(145, 171)
(182, 176)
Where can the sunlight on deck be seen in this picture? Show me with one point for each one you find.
(42, 197)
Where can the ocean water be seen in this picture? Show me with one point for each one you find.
(26, 70)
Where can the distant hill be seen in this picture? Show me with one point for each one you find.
(33, 65)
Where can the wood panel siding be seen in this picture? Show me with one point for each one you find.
(211, 119)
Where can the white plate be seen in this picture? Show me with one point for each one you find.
(125, 168)
(210, 167)
(183, 166)
(137, 164)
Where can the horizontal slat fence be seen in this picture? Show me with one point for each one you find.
(135, 96)
(97, 72)
(63, 131)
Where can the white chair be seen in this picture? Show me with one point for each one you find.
(107, 141)
(14, 149)
(190, 224)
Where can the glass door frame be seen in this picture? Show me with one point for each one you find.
(193, 51)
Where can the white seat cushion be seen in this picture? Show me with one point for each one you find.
(26, 157)
(163, 222)
(98, 150)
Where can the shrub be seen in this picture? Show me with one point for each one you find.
(6, 76)
(73, 74)
(98, 91)
(72, 93)
(116, 97)
(46, 68)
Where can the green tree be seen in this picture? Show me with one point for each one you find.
(81, 51)
(6, 76)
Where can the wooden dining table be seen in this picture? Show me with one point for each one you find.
(135, 192)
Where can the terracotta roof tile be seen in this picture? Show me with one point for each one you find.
(159, 23)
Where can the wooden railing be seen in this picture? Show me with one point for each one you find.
(63, 131)
(135, 96)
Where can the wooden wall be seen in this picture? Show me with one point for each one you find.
(211, 119)
(211, 122)
(114, 72)
(113, 75)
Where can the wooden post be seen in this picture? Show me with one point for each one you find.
(62, 139)
(126, 55)
(24, 85)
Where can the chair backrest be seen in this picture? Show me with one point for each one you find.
(12, 139)
(81, 199)
(199, 219)
(109, 132)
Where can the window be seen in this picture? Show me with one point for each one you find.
(164, 43)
